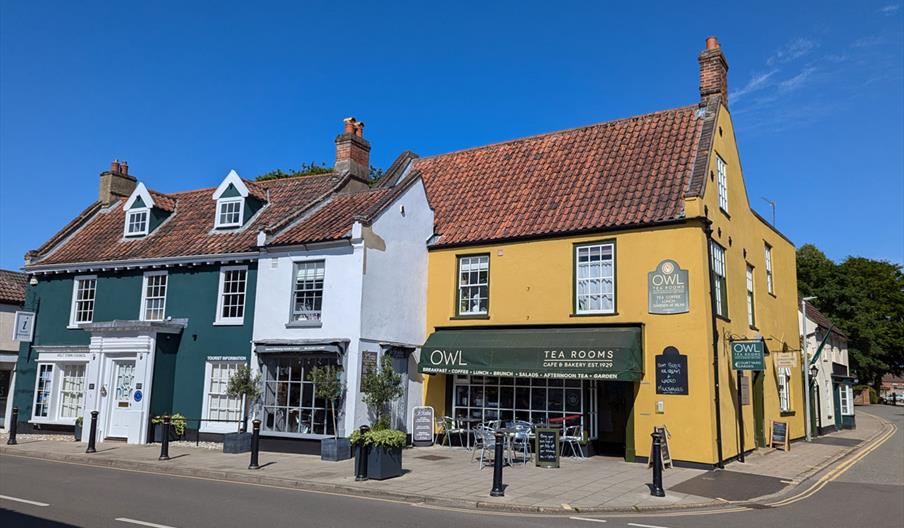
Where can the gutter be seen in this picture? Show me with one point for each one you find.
(104, 265)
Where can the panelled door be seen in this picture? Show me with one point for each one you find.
(121, 401)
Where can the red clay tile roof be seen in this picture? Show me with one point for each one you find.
(625, 172)
(12, 287)
(163, 201)
(190, 229)
(334, 220)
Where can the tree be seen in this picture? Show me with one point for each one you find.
(245, 384)
(865, 299)
(306, 169)
(328, 386)
(380, 387)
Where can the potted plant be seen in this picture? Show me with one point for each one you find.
(78, 429)
(177, 427)
(383, 446)
(328, 386)
(247, 385)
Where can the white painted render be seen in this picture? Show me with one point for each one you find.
(835, 351)
(375, 288)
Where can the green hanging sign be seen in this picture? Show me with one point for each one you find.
(748, 354)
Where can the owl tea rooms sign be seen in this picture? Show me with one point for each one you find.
(667, 287)
(748, 355)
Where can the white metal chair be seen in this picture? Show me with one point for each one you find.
(449, 427)
(521, 440)
(484, 438)
(572, 437)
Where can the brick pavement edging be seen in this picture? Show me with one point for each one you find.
(414, 498)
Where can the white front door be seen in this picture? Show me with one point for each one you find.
(123, 384)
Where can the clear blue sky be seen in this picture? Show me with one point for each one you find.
(185, 91)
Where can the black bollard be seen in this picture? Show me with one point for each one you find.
(498, 455)
(361, 469)
(164, 444)
(657, 490)
(92, 433)
(13, 427)
(255, 443)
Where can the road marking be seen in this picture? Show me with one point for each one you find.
(24, 501)
(645, 525)
(588, 519)
(141, 523)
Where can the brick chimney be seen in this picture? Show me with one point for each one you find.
(116, 183)
(713, 72)
(352, 150)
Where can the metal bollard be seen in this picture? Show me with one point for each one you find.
(164, 442)
(92, 433)
(657, 490)
(498, 456)
(361, 469)
(13, 427)
(255, 443)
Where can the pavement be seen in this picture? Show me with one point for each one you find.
(445, 478)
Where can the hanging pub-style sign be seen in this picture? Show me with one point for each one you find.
(667, 287)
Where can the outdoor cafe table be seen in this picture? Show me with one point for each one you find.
(469, 421)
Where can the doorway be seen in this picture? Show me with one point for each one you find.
(614, 416)
(759, 428)
(122, 386)
(5, 385)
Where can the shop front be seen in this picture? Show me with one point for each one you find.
(581, 377)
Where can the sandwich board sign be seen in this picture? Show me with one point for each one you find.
(423, 422)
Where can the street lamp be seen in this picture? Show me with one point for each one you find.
(805, 359)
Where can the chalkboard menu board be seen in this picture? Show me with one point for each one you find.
(778, 435)
(547, 448)
(671, 372)
(422, 426)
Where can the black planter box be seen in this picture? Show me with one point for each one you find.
(335, 449)
(237, 442)
(384, 463)
(158, 433)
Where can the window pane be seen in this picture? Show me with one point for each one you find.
(308, 291)
(473, 284)
(233, 294)
(595, 278)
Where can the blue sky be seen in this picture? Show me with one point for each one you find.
(186, 91)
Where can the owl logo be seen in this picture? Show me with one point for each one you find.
(668, 268)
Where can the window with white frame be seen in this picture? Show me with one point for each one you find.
(84, 290)
(720, 293)
(784, 390)
(229, 212)
(847, 400)
(72, 390)
(721, 173)
(751, 310)
(43, 391)
(153, 296)
(473, 284)
(137, 222)
(769, 285)
(307, 291)
(595, 278)
(218, 405)
(231, 302)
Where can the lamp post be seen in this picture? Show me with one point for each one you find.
(804, 363)
(814, 373)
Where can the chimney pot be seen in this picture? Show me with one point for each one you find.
(713, 72)
(115, 167)
(116, 183)
(359, 129)
(712, 42)
(352, 150)
(124, 168)
(349, 125)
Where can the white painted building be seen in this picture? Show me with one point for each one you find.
(345, 283)
(12, 298)
(832, 397)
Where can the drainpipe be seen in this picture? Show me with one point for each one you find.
(712, 304)
(805, 365)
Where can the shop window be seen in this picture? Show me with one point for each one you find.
(72, 391)
(84, 290)
(473, 284)
(770, 287)
(231, 301)
(720, 292)
(535, 400)
(595, 278)
(751, 310)
(222, 412)
(153, 296)
(289, 407)
(784, 390)
(43, 391)
(308, 291)
(722, 173)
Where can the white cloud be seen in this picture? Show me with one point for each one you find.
(866, 42)
(795, 49)
(796, 82)
(756, 83)
(890, 9)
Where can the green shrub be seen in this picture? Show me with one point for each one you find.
(386, 438)
(177, 422)
(873, 395)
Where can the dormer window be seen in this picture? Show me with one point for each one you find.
(229, 212)
(137, 222)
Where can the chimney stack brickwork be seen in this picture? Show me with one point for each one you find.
(116, 183)
(352, 150)
(713, 72)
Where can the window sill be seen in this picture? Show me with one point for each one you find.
(227, 322)
(304, 324)
(600, 314)
(466, 317)
(754, 328)
(772, 294)
(76, 326)
(723, 317)
(48, 421)
(725, 212)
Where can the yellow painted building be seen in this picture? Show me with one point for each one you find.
(559, 236)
